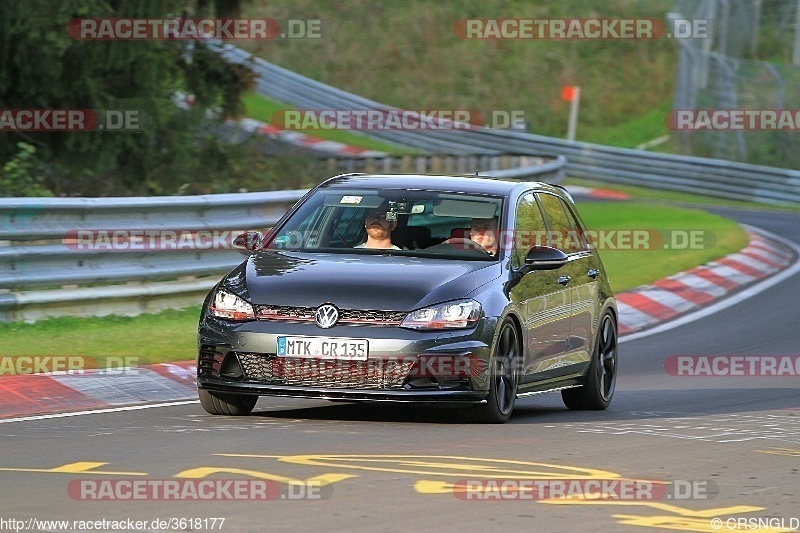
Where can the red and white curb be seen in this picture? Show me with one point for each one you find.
(303, 140)
(601, 194)
(30, 394)
(295, 138)
(646, 306)
(641, 310)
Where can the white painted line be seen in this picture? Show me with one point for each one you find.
(728, 272)
(632, 317)
(667, 298)
(95, 411)
(769, 256)
(701, 284)
(730, 301)
(786, 256)
(753, 263)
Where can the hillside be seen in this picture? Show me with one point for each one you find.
(406, 54)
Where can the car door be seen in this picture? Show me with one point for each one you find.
(544, 303)
(565, 233)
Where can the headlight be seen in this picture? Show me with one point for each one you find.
(449, 315)
(227, 305)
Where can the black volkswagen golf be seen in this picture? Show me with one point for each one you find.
(464, 291)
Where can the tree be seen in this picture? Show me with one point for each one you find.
(42, 67)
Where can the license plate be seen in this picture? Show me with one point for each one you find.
(323, 348)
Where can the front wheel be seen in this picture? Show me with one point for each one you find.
(601, 379)
(217, 403)
(504, 378)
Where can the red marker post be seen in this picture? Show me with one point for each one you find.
(572, 94)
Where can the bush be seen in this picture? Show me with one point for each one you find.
(23, 174)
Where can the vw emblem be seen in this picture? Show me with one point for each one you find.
(326, 316)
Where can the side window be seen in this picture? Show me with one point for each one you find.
(529, 229)
(562, 231)
(348, 229)
(578, 234)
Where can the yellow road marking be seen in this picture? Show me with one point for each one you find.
(426, 486)
(318, 481)
(447, 465)
(680, 511)
(80, 467)
(791, 452)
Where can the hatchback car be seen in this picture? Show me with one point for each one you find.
(456, 290)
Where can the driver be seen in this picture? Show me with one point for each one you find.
(379, 230)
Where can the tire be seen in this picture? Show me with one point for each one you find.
(503, 379)
(601, 378)
(217, 403)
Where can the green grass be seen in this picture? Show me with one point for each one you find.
(152, 338)
(673, 197)
(630, 134)
(262, 108)
(631, 268)
(171, 335)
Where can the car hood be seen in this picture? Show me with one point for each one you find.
(385, 282)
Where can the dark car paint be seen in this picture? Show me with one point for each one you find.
(393, 282)
(385, 282)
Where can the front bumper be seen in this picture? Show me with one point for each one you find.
(401, 396)
(403, 365)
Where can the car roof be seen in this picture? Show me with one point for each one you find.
(465, 184)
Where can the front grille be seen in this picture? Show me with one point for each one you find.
(326, 373)
(357, 316)
(284, 312)
(364, 317)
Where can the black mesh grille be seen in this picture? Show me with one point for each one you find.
(371, 317)
(371, 374)
(346, 316)
(284, 312)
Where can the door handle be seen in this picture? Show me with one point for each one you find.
(564, 280)
(593, 273)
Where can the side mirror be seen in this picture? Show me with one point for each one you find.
(248, 242)
(544, 258)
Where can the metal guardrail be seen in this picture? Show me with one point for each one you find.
(712, 177)
(94, 256)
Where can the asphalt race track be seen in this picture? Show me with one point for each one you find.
(696, 448)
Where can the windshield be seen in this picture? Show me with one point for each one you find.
(420, 223)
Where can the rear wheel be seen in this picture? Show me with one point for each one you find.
(601, 378)
(217, 403)
(503, 379)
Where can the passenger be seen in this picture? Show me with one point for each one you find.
(484, 232)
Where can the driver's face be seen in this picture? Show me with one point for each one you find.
(377, 225)
(376, 216)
